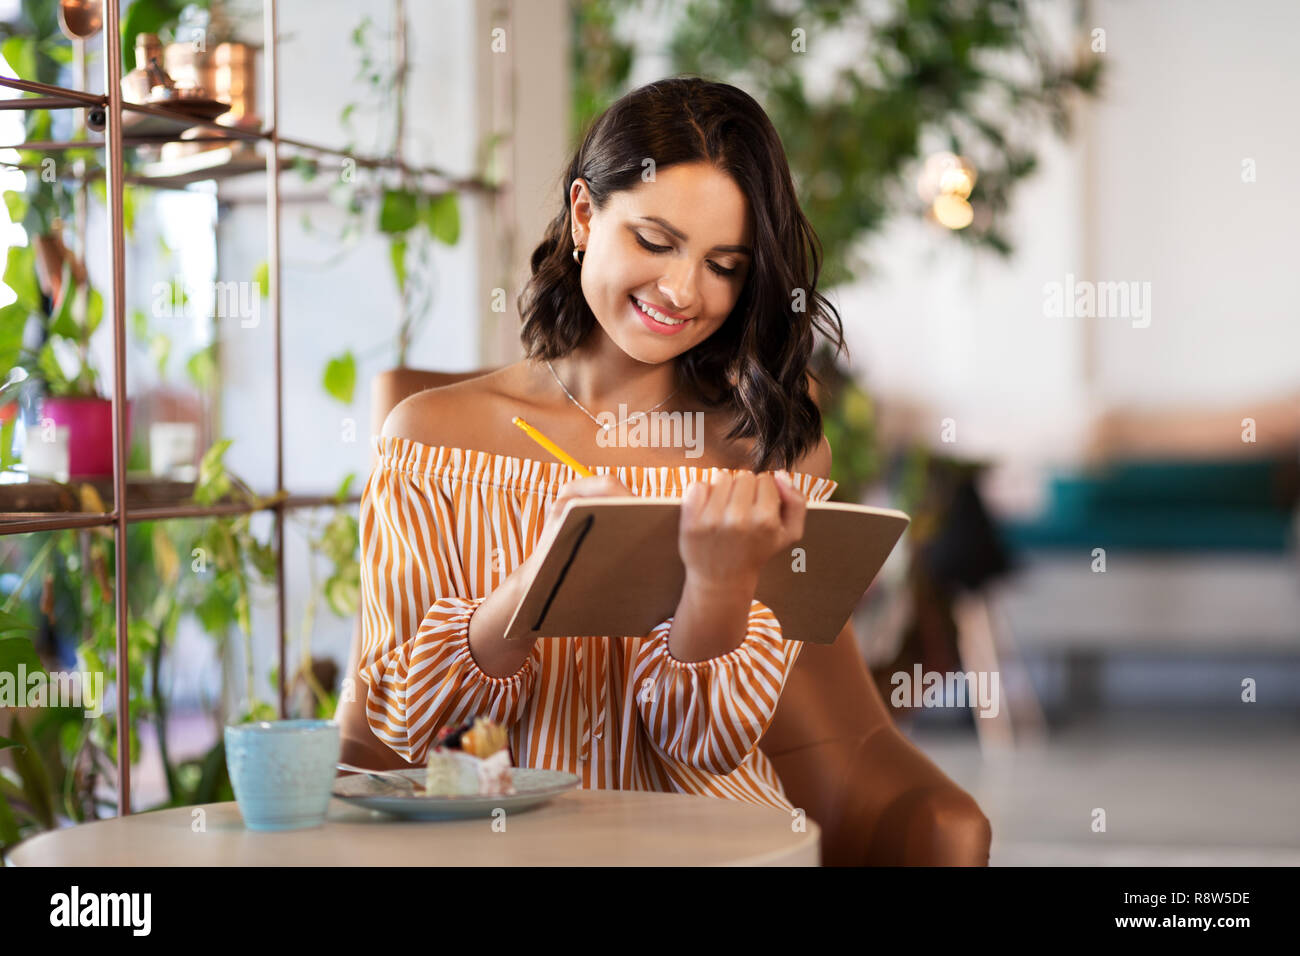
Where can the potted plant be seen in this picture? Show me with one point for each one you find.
(74, 398)
(51, 283)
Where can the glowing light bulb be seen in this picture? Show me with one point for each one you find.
(952, 211)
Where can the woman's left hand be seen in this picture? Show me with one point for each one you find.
(732, 525)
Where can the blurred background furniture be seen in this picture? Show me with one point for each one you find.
(1169, 552)
(877, 798)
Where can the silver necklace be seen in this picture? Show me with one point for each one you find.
(605, 426)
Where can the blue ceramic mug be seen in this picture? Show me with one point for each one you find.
(282, 771)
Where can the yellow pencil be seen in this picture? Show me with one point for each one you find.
(550, 446)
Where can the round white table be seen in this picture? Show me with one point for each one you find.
(578, 828)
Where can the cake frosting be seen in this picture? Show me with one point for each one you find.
(471, 759)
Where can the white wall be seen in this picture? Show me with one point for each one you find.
(1196, 88)
(1150, 191)
(333, 304)
(330, 305)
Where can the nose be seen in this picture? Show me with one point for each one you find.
(678, 288)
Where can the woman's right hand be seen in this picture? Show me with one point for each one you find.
(597, 486)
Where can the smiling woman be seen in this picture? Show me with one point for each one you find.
(680, 275)
(694, 258)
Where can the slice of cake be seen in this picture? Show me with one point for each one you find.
(471, 759)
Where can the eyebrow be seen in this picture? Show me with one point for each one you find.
(744, 250)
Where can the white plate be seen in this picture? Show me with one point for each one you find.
(533, 787)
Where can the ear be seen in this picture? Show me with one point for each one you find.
(580, 206)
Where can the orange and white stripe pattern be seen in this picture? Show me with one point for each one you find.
(440, 529)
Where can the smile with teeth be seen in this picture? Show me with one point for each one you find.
(656, 314)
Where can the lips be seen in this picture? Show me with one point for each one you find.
(653, 324)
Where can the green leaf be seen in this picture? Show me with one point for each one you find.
(397, 254)
(346, 484)
(20, 53)
(13, 321)
(399, 212)
(213, 483)
(35, 779)
(201, 367)
(139, 324)
(142, 634)
(146, 16)
(262, 278)
(214, 613)
(160, 347)
(344, 596)
(7, 457)
(9, 834)
(47, 364)
(305, 167)
(19, 650)
(243, 616)
(63, 323)
(177, 297)
(128, 210)
(94, 311)
(442, 215)
(20, 275)
(341, 377)
(60, 53)
(214, 780)
(262, 557)
(16, 203)
(12, 623)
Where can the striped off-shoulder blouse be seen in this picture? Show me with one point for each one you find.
(440, 528)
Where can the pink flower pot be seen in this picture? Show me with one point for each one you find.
(90, 433)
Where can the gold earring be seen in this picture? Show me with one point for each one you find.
(576, 257)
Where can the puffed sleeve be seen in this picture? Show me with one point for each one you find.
(710, 714)
(415, 612)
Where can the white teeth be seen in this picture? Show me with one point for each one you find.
(656, 314)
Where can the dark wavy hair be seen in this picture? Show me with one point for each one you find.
(757, 364)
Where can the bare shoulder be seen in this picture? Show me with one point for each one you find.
(444, 415)
(817, 462)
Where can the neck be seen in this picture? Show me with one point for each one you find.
(603, 380)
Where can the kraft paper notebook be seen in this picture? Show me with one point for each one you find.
(613, 568)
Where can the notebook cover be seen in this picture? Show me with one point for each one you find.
(613, 568)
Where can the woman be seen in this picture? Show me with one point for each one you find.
(674, 281)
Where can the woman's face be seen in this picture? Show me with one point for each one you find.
(680, 244)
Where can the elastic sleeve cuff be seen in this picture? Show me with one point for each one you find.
(463, 655)
(763, 631)
(447, 621)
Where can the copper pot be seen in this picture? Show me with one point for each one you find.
(227, 72)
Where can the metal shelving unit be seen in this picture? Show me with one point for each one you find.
(111, 109)
(116, 141)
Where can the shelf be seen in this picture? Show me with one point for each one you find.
(69, 97)
(42, 496)
(155, 125)
(155, 499)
